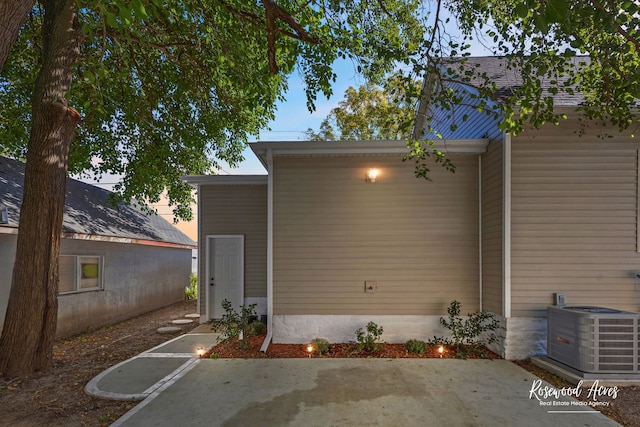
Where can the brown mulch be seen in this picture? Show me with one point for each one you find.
(249, 348)
(58, 398)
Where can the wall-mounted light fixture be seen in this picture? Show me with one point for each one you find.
(372, 175)
(4, 215)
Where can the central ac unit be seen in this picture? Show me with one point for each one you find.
(594, 339)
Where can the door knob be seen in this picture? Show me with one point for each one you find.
(212, 282)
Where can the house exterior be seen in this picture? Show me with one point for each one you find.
(115, 263)
(322, 251)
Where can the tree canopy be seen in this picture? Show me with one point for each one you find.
(372, 112)
(153, 90)
(156, 89)
(168, 88)
(540, 39)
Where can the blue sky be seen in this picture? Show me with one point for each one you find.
(293, 118)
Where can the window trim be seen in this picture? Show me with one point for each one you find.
(78, 274)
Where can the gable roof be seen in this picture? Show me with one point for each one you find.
(87, 211)
(509, 80)
(464, 120)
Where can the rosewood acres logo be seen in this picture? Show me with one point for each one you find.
(556, 398)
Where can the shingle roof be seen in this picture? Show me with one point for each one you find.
(87, 210)
(508, 80)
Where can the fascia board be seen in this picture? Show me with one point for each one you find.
(198, 180)
(338, 148)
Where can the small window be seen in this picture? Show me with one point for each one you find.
(80, 273)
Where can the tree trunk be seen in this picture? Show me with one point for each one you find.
(26, 344)
(12, 15)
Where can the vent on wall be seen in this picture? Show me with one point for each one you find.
(594, 339)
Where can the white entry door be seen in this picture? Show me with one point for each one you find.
(226, 273)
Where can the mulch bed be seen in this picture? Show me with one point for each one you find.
(249, 348)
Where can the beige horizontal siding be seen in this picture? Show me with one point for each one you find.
(574, 207)
(492, 200)
(333, 231)
(237, 210)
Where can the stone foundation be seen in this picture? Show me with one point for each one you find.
(521, 338)
(299, 329)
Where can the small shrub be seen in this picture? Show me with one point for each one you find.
(439, 341)
(256, 328)
(320, 346)
(470, 336)
(214, 356)
(416, 346)
(233, 323)
(191, 291)
(370, 340)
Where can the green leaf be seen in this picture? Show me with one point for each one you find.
(139, 9)
(522, 10)
(111, 19)
(556, 10)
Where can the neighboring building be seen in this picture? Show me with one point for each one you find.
(323, 251)
(115, 263)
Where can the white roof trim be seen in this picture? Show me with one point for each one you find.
(196, 180)
(364, 148)
(110, 239)
(8, 229)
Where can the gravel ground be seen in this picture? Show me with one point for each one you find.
(58, 398)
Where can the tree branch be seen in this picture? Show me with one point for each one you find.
(274, 12)
(384, 8)
(617, 26)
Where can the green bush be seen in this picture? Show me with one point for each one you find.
(370, 340)
(416, 346)
(233, 323)
(191, 291)
(256, 328)
(320, 346)
(469, 336)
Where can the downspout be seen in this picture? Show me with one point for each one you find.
(267, 339)
(506, 227)
(198, 265)
(480, 228)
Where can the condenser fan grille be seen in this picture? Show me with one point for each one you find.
(594, 339)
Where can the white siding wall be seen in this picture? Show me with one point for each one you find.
(7, 258)
(137, 279)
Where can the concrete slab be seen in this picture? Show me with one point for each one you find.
(186, 344)
(136, 378)
(205, 328)
(355, 392)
